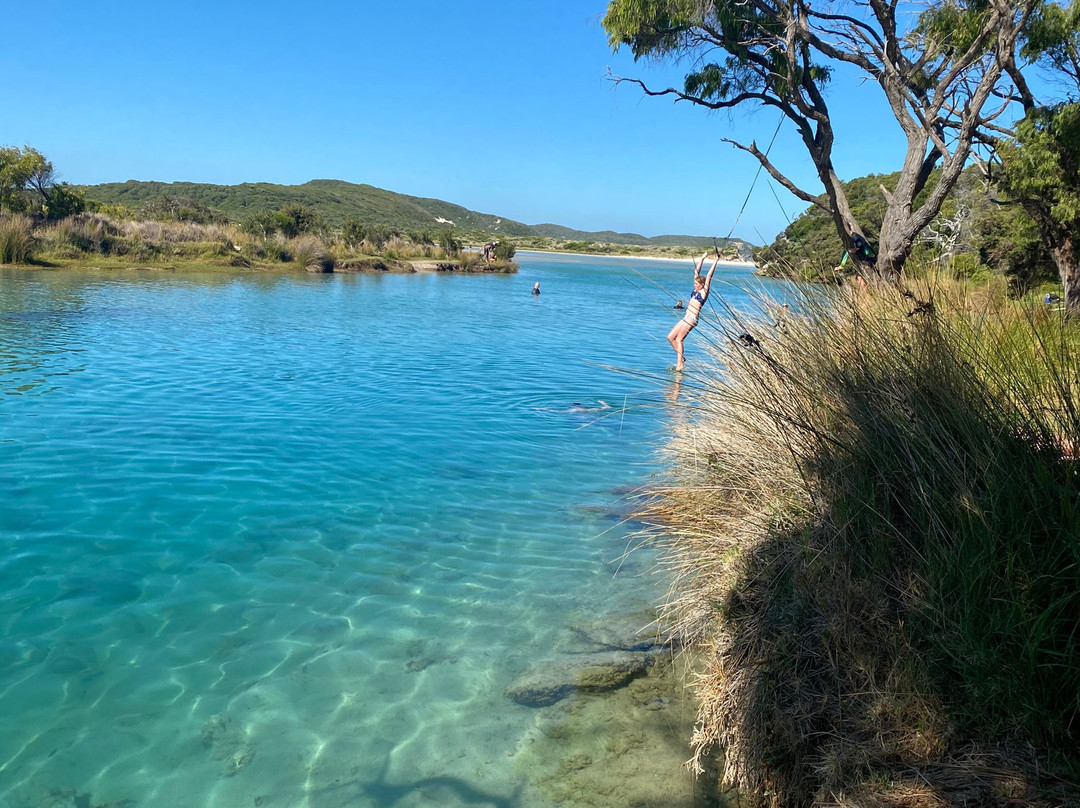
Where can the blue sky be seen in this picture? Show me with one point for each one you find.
(502, 107)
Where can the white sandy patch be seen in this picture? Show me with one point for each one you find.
(750, 264)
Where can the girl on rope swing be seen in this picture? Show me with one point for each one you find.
(693, 308)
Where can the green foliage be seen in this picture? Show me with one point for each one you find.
(951, 25)
(1005, 239)
(1053, 38)
(64, 201)
(1043, 162)
(116, 211)
(655, 29)
(26, 179)
(449, 243)
(996, 239)
(810, 244)
(504, 250)
(261, 224)
(296, 218)
(421, 237)
(354, 232)
(169, 208)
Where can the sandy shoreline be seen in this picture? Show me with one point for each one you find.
(638, 257)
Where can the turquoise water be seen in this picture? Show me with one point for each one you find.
(283, 540)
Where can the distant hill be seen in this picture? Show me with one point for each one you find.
(337, 201)
(610, 237)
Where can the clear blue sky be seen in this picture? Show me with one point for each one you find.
(502, 107)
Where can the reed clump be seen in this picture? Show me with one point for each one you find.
(311, 254)
(874, 534)
(16, 239)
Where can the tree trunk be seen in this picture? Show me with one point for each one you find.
(1064, 255)
(1059, 242)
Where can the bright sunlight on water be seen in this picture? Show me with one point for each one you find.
(285, 540)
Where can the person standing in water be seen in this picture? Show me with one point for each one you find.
(693, 308)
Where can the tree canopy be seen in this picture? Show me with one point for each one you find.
(942, 76)
(28, 185)
(1039, 157)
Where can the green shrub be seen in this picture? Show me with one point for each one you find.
(450, 244)
(505, 250)
(354, 233)
(182, 209)
(63, 201)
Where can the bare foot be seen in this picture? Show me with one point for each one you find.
(678, 367)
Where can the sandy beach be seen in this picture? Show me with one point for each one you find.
(637, 257)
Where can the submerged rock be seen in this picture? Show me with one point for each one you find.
(635, 632)
(553, 681)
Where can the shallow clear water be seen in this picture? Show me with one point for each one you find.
(283, 540)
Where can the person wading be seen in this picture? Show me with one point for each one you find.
(693, 308)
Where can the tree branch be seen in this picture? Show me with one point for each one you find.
(774, 172)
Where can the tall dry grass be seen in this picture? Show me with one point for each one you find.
(16, 239)
(874, 534)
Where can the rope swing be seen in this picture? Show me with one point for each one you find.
(752, 184)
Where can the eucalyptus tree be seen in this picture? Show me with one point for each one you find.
(24, 174)
(1039, 157)
(940, 67)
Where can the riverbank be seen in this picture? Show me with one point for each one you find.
(97, 241)
(871, 522)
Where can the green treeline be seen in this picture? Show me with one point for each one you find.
(978, 235)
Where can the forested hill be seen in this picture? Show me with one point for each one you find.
(337, 201)
(973, 236)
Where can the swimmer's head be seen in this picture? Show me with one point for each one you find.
(699, 282)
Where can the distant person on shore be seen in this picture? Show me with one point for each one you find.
(536, 288)
(693, 308)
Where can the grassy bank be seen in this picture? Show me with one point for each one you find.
(95, 239)
(874, 532)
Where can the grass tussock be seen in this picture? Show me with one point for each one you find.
(874, 533)
(16, 239)
(311, 254)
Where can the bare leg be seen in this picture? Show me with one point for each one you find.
(676, 337)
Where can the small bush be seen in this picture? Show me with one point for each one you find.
(451, 245)
(312, 254)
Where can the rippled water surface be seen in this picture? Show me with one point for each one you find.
(284, 540)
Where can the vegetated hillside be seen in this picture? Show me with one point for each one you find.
(337, 202)
(976, 234)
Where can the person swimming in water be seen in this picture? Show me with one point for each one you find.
(536, 288)
(693, 308)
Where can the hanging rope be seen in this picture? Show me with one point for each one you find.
(756, 175)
